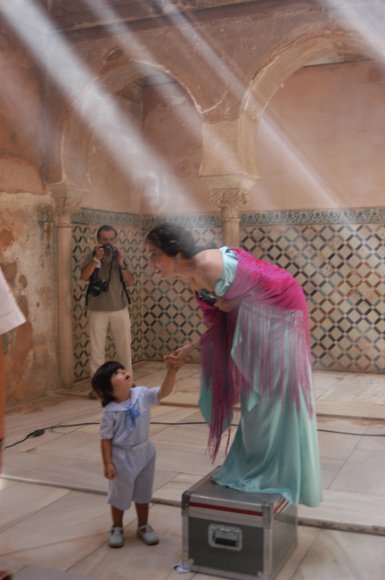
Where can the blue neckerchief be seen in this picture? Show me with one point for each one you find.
(132, 412)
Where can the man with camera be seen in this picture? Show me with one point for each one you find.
(106, 272)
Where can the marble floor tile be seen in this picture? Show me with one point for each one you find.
(306, 538)
(343, 556)
(65, 411)
(78, 473)
(184, 449)
(5, 483)
(171, 414)
(336, 446)
(370, 440)
(19, 500)
(74, 444)
(172, 491)
(323, 380)
(162, 478)
(330, 468)
(357, 387)
(363, 472)
(71, 517)
(59, 556)
(350, 409)
(345, 425)
(347, 511)
(136, 560)
(39, 573)
(69, 458)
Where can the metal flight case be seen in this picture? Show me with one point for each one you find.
(236, 534)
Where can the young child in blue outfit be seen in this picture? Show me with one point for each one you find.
(128, 454)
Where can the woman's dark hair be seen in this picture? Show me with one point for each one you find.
(101, 381)
(172, 240)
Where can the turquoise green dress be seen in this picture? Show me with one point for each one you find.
(275, 449)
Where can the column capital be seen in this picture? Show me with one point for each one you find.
(229, 200)
(230, 191)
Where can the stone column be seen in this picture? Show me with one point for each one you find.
(66, 201)
(230, 200)
(230, 193)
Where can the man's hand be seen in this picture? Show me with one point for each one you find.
(95, 262)
(121, 261)
(98, 252)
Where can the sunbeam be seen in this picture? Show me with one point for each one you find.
(138, 51)
(304, 171)
(161, 187)
(317, 184)
(73, 78)
(368, 24)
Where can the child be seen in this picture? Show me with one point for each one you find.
(128, 454)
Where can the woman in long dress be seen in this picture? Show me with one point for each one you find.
(256, 352)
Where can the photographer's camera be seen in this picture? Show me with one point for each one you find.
(110, 250)
(97, 287)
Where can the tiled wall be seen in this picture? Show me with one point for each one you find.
(338, 256)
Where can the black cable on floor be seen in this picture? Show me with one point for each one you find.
(39, 432)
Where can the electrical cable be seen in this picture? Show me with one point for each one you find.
(41, 431)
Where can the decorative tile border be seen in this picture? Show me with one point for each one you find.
(87, 216)
(319, 216)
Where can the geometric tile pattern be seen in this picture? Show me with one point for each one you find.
(338, 256)
(341, 268)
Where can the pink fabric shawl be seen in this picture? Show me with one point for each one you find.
(270, 313)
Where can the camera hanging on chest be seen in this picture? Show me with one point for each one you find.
(101, 277)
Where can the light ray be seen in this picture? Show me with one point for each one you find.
(134, 49)
(73, 77)
(303, 169)
(290, 153)
(368, 23)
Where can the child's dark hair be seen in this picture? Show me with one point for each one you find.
(101, 381)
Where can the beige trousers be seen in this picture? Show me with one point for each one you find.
(120, 324)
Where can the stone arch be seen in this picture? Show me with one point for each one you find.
(268, 80)
(74, 159)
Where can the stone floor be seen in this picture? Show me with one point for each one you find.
(53, 513)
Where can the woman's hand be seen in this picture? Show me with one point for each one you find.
(178, 357)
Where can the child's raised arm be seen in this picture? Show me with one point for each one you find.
(169, 380)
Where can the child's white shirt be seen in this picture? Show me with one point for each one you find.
(128, 423)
